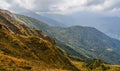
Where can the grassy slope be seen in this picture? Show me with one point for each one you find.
(24, 49)
(33, 49)
(95, 66)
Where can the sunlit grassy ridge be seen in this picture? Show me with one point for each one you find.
(33, 48)
(95, 65)
(9, 63)
(22, 46)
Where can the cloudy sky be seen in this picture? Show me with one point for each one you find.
(62, 6)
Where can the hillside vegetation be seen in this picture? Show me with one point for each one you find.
(22, 49)
(80, 41)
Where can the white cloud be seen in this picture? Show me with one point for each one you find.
(62, 6)
(27, 4)
(4, 4)
(105, 6)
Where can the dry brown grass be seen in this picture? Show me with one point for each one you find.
(31, 53)
(9, 63)
(82, 67)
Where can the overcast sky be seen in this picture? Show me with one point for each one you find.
(62, 6)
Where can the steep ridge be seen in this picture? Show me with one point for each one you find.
(22, 48)
(83, 41)
(38, 16)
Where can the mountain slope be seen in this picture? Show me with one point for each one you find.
(47, 20)
(90, 43)
(22, 48)
(86, 41)
(107, 24)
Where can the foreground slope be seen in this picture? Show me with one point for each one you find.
(23, 49)
(82, 41)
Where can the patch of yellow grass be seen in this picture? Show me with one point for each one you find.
(9, 63)
(82, 67)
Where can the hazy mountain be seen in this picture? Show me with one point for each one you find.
(107, 24)
(110, 25)
(47, 20)
(86, 41)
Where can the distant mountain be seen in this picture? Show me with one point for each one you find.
(110, 25)
(85, 41)
(47, 20)
(107, 24)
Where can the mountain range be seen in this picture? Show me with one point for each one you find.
(86, 41)
(24, 47)
(107, 24)
(43, 18)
